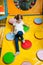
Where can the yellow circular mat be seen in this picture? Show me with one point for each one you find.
(39, 34)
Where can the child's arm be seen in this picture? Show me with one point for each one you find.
(12, 30)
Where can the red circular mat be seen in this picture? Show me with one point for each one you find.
(27, 44)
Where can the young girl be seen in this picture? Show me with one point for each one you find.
(18, 31)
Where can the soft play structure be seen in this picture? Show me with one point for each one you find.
(31, 51)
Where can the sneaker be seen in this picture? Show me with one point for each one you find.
(23, 41)
(17, 53)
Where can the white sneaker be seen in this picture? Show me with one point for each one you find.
(23, 41)
(17, 53)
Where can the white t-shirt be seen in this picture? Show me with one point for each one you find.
(18, 27)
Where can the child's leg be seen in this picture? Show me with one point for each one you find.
(16, 43)
(20, 34)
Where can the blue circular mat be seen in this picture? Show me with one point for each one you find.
(38, 20)
(10, 36)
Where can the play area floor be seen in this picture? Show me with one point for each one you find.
(28, 55)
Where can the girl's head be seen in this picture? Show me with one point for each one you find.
(19, 17)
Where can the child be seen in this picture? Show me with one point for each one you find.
(18, 31)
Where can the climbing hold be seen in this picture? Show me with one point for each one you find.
(8, 58)
(40, 54)
(38, 20)
(26, 28)
(26, 45)
(26, 63)
(11, 21)
(39, 35)
(10, 36)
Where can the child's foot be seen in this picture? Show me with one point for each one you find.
(17, 53)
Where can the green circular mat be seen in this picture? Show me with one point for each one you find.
(26, 28)
(8, 58)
